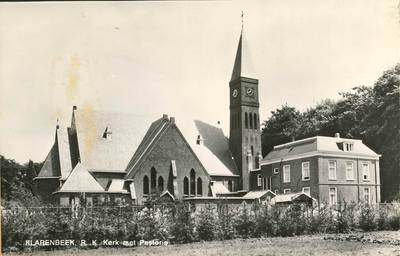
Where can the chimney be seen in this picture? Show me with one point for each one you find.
(73, 108)
(200, 140)
(218, 122)
(165, 116)
(337, 135)
(172, 120)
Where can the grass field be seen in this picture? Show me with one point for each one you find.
(301, 245)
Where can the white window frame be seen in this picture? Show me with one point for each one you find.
(368, 172)
(348, 147)
(259, 180)
(286, 191)
(276, 170)
(305, 169)
(335, 193)
(367, 194)
(286, 177)
(348, 177)
(306, 188)
(329, 170)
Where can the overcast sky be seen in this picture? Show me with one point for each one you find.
(177, 58)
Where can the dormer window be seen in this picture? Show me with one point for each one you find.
(200, 140)
(348, 146)
(107, 133)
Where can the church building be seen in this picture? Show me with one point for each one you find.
(114, 156)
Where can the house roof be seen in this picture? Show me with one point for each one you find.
(257, 194)
(98, 153)
(218, 188)
(214, 154)
(243, 66)
(291, 197)
(318, 144)
(117, 185)
(80, 180)
(51, 166)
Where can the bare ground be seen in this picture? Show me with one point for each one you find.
(301, 245)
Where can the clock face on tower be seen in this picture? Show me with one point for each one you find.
(249, 92)
(235, 93)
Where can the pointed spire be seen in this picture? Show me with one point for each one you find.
(243, 64)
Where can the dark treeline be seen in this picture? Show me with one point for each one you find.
(17, 185)
(369, 114)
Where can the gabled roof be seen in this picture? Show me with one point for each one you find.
(243, 64)
(318, 144)
(286, 198)
(214, 154)
(51, 166)
(218, 188)
(98, 153)
(64, 152)
(258, 194)
(80, 180)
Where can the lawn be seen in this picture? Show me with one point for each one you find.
(301, 245)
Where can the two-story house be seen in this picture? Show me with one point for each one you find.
(330, 169)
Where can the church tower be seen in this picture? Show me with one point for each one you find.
(244, 136)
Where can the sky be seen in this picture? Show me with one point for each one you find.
(176, 58)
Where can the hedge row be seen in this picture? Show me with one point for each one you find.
(181, 223)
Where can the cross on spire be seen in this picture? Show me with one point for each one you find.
(242, 19)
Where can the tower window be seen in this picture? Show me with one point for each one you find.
(246, 121)
(255, 121)
(251, 121)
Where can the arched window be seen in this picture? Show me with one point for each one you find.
(252, 151)
(153, 177)
(186, 186)
(246, 121)
(145, 185)
(251, 121)
(192, 182)
(71, 200)
(230, 186)
(199, 187)
(161, 183)
(255, 121)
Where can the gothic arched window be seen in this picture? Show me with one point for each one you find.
(145, 185)
(251, 121)
(160, 183)
(255, 121)
(230, 186)
(186, 186)
(246, 121)
(199, 186)
(153, 178)
(192, 182)
(252, 151)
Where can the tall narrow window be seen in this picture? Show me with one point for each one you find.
(365, 169)
(332, 196)
(192, 182)
(252, 150)
(306, 170)
(367, 195)
(161, 183)
(251, 120)
(332, 170)
(286, 173)
(153, 178)
(199, 187)
(230, 186)
(255, 121)
(145, 185)
(349, 171)
(246, 121)
(258, 179)
(186, 186)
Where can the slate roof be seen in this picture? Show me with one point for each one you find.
(80, 180)
(51, 166)
(64, 152)
(318, 144)
(218, 188)
(108, 155)
(243, 66)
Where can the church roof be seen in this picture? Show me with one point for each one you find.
(214, 154)
(80, 180)
(108, 154)
(51, 166)
(318, 144)
(243, 66)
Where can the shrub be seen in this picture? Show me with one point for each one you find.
(225, 223)
(243, 223)
(206, 224)
(341, 220)
(394, 222)
(182, 228)
(367, 217)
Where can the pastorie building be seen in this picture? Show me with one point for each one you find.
(105, 156)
